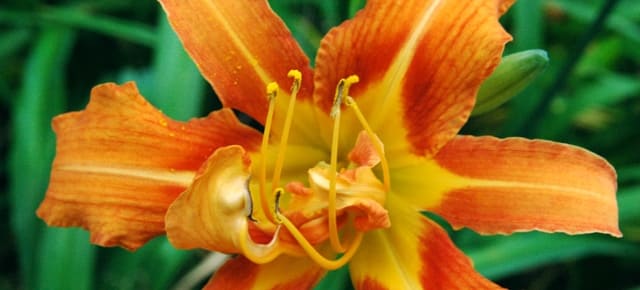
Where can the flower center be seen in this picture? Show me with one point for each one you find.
(352, 194)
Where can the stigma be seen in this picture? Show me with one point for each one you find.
(336, 204)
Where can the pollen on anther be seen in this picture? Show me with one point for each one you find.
(272, 89)
(295, 74)
(342, 92)
(352, 79)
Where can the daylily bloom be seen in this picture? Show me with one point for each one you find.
(352, 152)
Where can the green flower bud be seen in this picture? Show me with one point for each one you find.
(515, 72)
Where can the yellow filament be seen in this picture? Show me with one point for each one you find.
(295, 87)
(342, 90)
(333, 227)
(272, 93)
(313, 253)
(349, 101)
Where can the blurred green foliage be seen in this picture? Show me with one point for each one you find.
(53, 52)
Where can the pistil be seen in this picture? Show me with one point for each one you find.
(342, 91)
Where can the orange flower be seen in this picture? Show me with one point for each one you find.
(350, 156)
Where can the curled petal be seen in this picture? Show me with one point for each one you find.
(351, 184)
(357, 190)
(502, 186)
(415, 253)
(121, 162)
(284, 273)
(370, 215)
(213, 212)
(420, 65)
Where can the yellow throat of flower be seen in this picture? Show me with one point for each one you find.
(357, 185)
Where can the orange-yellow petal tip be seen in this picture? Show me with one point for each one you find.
(515, 184)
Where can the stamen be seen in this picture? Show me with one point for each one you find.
(354, 243)
(272, 93)
(295, 87)
(342, 90)
(349, 101)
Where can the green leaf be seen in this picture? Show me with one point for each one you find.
(67, 260)
(528, 24)
(336, 280)
(76, 18)
(528, 33)
(156, 265)
(306, 32)
(178, 87)
(629, 215)
(355, 6)
(620, 21)
(12, 41)
(519, 252)
(629, 174)
(123, 29)
(41, 97)
(606, 90)
(307, 36)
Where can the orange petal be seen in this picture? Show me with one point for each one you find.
(364, 152)
(503, 186)
(415, 253)
(284, 273)
(420, 65)
(370, 215)
(240, 47)
(120, 163)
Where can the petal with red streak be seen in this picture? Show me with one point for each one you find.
(420, 65)
(284, 273)
(415, 253)
(240, 47)
(496, 185)
(121, 162)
